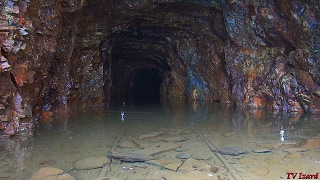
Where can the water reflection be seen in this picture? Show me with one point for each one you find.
(286, 128)
(12, 156)
(67, 136)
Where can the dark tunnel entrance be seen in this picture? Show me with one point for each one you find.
(146, 87)
(140, 87)
(137, 72)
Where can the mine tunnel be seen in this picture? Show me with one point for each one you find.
(71, 54)
(139, 66)
(234, 87)
(146, 87)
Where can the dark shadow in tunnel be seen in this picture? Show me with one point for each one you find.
(135, 67)
(146, 87)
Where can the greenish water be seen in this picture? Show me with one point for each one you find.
(81, 134)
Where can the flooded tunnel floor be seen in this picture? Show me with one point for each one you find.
(168, 143)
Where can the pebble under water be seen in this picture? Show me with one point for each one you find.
(168, 143)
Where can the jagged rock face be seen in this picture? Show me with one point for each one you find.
(77, 53)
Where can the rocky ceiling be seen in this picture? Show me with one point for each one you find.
(79, 53)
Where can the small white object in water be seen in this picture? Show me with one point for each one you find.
(281, 135)
(282, 132)
(210, 175)
(122, 115)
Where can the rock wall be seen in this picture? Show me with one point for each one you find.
(38, 45)
(272, 58)
(61, 54)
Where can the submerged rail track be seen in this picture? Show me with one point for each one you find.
(211, 146)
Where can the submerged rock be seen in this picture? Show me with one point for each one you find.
(261, 150)
(274, 160)
(157, 148)
(51, 173)
(294, 156)
(229, 134)
(198, 165)
(311, 143)
(233, 151)
(128, 144)
(170, 164)
(295, 149)
(174, 139)
(131, 157)
(183, 156)
(150, 135)
(91, 163)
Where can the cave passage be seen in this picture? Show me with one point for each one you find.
(139, 66)
(146, 87)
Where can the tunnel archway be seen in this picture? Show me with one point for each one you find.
(137, 67)
(174, 52)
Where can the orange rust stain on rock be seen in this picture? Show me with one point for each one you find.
(47, 116)
(259, 102)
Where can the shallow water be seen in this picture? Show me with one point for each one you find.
(78, 134)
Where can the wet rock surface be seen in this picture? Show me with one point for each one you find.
(232, 151)
(61, 54)
(51, 173)
(91, 163)
(160, 159)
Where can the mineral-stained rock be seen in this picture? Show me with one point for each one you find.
(247, 53)
(2, 126)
